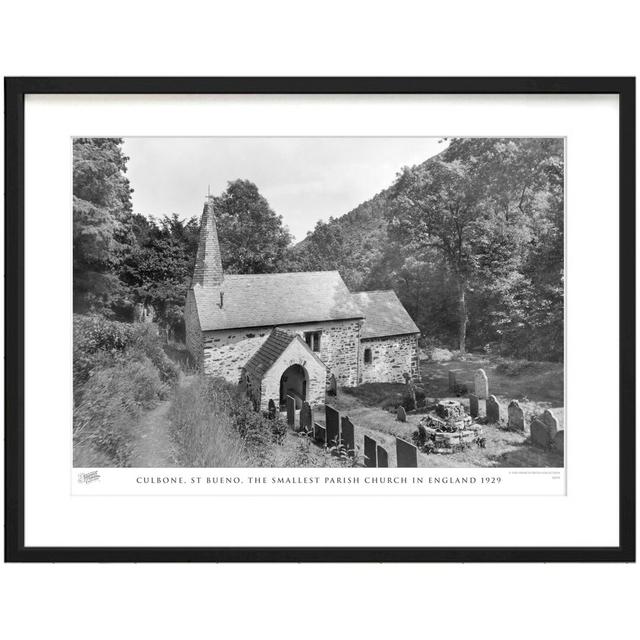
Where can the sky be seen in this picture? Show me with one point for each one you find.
(303, 179)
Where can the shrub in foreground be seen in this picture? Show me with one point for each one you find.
(203, 427)
(111, 403)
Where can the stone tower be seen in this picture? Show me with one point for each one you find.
(208, 270)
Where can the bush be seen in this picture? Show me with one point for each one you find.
(97, 342)
(111, 404)
(203, 426)
(118, 370)
(440, 355)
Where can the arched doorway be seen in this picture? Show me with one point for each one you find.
(294, 381)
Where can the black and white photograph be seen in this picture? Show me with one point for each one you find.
(318, 302)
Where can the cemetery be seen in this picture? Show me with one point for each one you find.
(477, 426)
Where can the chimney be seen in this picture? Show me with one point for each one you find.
(208, 270)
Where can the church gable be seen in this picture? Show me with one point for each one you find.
(285, 365)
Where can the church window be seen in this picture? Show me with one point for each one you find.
(367, 356)
(312, 338)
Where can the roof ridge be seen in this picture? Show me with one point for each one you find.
(376, 291)
(279, 273)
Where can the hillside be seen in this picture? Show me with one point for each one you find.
(477, 234)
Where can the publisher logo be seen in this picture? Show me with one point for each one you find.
(86, 478)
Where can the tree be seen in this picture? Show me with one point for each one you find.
(158, 270)
(435, 209)
(101, 215)
(252, 237)
(492, 209)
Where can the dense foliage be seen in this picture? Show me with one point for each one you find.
(119, 369)
(101, 222)
(471, 241)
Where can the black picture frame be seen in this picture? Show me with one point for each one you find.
(15, 91)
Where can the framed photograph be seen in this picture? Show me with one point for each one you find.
(320, 319)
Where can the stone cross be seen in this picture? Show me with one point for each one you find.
(482, 384)
(370, 455)
(473, 405)
(493, 410)
(406, 453)
(515, 416)
(401, 414)
(544, 429)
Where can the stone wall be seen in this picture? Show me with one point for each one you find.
(193, 332)
(391, 357)
(226, 352)
(338, 347)
(315, 371)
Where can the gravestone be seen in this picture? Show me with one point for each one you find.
(332, 420)
(558, 441)
(306, 417)
(333, 386)
(516, 416)
(481, 383)
(382, 456)
(401, 415)
(348, 435)
(272, 409)
(406, 453)
(370, 456)
(452, 382)
(291, 411)
(319, 433)
(493, 410)
(473, 405)
(544, 429)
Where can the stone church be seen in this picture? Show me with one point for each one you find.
(288, 333)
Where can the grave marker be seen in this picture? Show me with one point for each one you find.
(481, 383)
(348, 435)
(493, 410)
(370, 454)
(319, 433)
(473, 405)
(406, 453)
(272, 409)
(382, 456)
(544, 429)
(332, 420)
(516, 416)
(401, 414)
(333, 386)
(291, 411)
(452, 382)
(306, 417)
(558, 441)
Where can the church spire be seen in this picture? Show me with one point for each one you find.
(208, 269)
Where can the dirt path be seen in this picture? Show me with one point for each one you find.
(154, 446)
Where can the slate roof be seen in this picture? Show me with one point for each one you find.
(384, 314)
(272, 348)
(275, 299)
